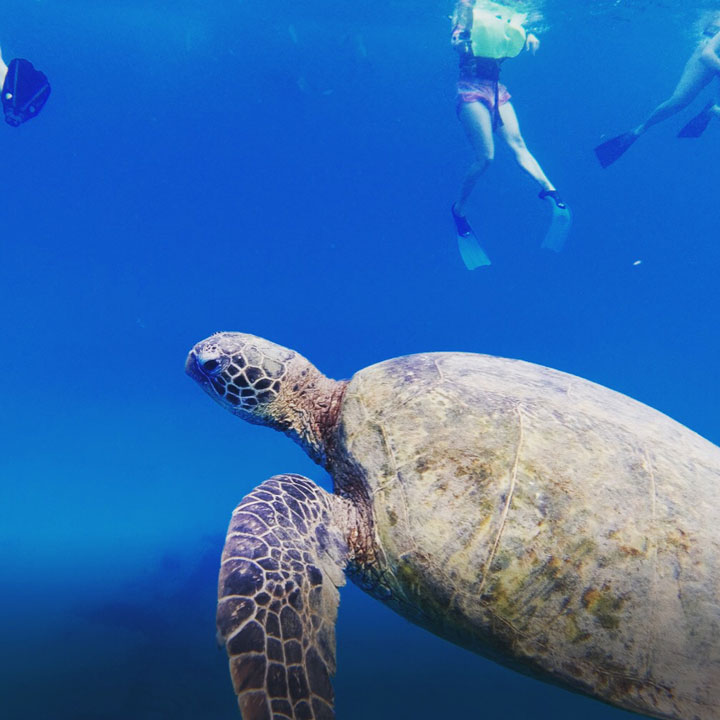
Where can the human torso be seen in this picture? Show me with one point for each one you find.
(478, 69)
(494, 37)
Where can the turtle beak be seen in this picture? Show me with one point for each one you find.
(192, 368)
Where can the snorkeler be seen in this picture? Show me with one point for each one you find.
(24, 91)
(484, 35)
(700, 69)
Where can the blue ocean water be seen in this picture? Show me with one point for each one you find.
(287, 170)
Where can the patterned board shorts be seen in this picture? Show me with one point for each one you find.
(482, 91)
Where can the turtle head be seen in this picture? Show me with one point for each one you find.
(241, 372)
(267, 384)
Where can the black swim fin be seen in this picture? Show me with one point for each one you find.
(697, 126)
(611, 150)
(24, 92)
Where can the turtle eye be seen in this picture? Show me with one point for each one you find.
(210, 366)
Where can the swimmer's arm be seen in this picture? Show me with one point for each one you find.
(711, 54)
(462, 24)
(532, 43)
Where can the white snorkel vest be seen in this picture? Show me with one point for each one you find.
(497, 33)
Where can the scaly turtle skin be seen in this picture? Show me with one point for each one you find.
(543, 521)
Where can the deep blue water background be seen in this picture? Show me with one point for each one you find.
(287, 170)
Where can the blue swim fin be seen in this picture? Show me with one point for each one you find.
(697, 126)
(472, 254)
(560, 223)
(609, 151)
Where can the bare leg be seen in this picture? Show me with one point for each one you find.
(695, 77)
(476, 121)
(3, 70)
(510, 132)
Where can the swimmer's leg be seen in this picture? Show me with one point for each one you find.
(561, 217)
(695, 77)
(510, 132)
(477, 123)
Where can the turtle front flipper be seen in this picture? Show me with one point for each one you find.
(284, 559)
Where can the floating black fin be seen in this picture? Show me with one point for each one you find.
(24, 92)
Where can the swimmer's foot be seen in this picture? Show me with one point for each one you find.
(461, 224)
(555, 197)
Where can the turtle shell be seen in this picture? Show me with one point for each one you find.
(544, 521)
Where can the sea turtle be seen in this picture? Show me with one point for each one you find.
(541, 520)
